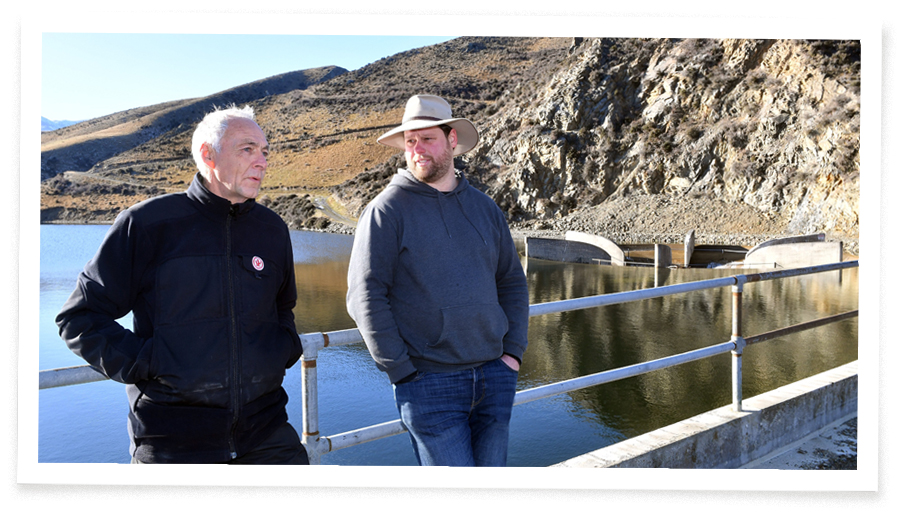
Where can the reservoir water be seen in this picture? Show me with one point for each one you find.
(87, 423)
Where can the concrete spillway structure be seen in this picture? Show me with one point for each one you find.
(560, 250)
(793, 252)
(580, 247)
(615, 253)
(787, 252)
(702, 256)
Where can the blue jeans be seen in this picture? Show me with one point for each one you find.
(459, 418)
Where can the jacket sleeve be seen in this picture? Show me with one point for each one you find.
(513, 294)
(374, 259)
(106, 290)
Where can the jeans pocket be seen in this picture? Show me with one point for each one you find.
(506, 365)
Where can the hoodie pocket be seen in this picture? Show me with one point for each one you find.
(471, 334)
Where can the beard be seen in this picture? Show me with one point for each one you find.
(435, 169)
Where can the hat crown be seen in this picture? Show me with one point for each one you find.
(428, 107)
(427, 111)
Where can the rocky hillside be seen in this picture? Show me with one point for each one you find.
(771, 125)
(634, 139)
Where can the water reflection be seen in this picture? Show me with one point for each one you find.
(571, 344)
(321, 296)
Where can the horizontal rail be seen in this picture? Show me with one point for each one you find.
(391, 428)
(60, 377)
(84, 374)
(575, 304)
(364, 435)
(800, 327)
(587, 302)
(613, 375)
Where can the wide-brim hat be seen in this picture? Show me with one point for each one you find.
(424, 111)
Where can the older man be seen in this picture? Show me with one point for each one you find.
(209, 277)
(437, 290)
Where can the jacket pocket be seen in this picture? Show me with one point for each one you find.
(470, 334)
(189, 289)
(259, 283)
(190, 364)
(266, 351)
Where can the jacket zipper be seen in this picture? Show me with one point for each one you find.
(233, 346)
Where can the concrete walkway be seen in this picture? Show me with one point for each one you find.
(833, 447)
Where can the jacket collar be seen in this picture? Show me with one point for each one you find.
(214, 204)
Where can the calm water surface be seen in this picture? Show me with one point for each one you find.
(87, 423)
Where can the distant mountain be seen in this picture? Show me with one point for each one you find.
(81, 146)
(47, 125)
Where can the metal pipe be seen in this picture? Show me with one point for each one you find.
(796, 272)
(736, 337)
(604, 377)
(587, 302)
(365, 435)
(800, 327)
(343, 337)
(310, 397)
(74, 375)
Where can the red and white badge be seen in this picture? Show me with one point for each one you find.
(257, 262)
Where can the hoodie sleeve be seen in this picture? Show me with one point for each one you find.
(107, 290)
(374, 259)
(513, 294)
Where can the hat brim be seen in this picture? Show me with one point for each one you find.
(467, 135)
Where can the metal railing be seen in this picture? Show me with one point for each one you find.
(318, 445)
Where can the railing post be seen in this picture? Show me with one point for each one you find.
(310, 398)
(736, 353)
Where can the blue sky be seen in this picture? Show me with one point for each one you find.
(87, 75)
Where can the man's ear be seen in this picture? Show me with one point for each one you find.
(452, 138)
(206, 153)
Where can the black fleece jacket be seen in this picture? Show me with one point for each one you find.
(211, 287)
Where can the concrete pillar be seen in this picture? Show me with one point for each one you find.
(663, 256)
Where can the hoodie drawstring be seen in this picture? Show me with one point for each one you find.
(464, 211)
(441, 210)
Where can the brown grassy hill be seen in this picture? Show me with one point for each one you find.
(82, 146)
(322, 135)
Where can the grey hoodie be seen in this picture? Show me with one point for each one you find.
(435, 282)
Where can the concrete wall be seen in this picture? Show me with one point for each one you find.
(794, 255)
(611, 248)
(564, 251)
(724, 439)
(663, 256)
(688, 248)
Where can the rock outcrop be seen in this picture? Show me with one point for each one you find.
(760, 123)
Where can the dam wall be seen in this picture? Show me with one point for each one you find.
(726, 439)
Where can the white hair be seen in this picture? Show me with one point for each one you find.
(211, 129)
